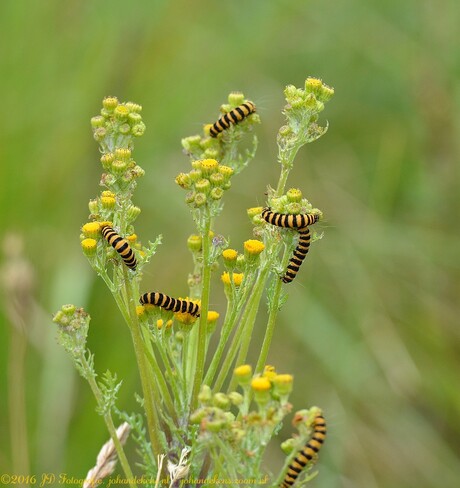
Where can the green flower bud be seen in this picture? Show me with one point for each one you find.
(191, 143)
(132, 213)
(121, 112)
(119, 166)
(226, 185)
(108, 179)
(107, 160)
(202, 185)
(211, 153)
(69, 309)
(195, 175)
(288, 446)
(184, 180)
(137, 171)
(290, 91)
(97, 121)
(310, 101)
(124, 129)
(197, 416)
(285, 131)
(236, 398)
(221, 401)
(93, 207)
(133, 107)
(138, 129)
(60, 318)
(196, 164)
(122, 153)
(293, 208)
(240, 261)
(226, 171)
(294, 195)
(100, 133)
(190, 197)
(200, 199)
(217, 193)
(215, 425)
(110, 103)
(205, 395)
(216, 179)
(235, 99)
(194, 243)
(134, 118)
(297, 103)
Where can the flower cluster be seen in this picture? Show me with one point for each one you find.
(230, 416)
(206, 182)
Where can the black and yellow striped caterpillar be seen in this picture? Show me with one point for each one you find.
(235, 116)
(308, 452)
(289, 221)
(168, 303)
(300, 223)
(298, 255)
(121, 245)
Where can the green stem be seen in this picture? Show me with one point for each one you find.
(147, 385)
(286, 159)
(16, 400)
(252, 304)
(269, 329)
(227, 328)
(108, 420)
(201, 349)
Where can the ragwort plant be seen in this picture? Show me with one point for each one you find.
(209, 415)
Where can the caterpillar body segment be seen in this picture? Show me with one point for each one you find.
(299, 254)
(235, 116)
(307, 453)
(169, 303)
(121, 245)
(289, 221)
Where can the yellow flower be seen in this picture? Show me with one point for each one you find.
(237, 278)
(89, 246)
(208, 166)
(254, 211)
(243, 374)
(253, 247)
(260, 384)
(206, 129)
(229, 256)
(140, 311)
(226, 171)
(312, 84)
(132, 238)
(123, 153)
(108, 203)
(283, 383)
(212, 316)
(269, 372)
(108, 193)
(91, 229)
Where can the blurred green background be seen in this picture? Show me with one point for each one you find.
(371, 328)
